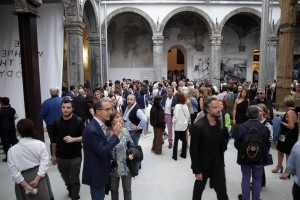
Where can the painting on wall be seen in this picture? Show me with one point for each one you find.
(296, 68)
(233, 68)
(201, 68)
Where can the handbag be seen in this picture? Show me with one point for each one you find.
(282, 137)
(269, 159)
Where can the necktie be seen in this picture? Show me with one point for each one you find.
(104, 128)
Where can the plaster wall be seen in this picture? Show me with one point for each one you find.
(133, 73)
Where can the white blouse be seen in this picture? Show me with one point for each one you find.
(181, 117)
(27, 154)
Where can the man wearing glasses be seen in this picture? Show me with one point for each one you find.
(66, 146)
(261, 98)
(96, 148)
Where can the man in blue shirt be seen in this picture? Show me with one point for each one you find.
(293, 167)
(51, 110)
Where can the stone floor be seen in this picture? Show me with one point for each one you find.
(162, 178)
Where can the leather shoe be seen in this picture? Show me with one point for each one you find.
(174, 158)
(170, 146)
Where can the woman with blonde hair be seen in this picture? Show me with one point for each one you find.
(288, 135)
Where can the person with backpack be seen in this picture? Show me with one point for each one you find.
(252, 143)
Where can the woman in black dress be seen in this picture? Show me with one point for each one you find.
(289, 128)
(239, 108)
(7, 126)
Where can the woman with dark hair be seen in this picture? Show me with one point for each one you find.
(181, 118)
(7, 126)
(157, 120)
(89, 102)
(239, 109)
(28, 162)
(119, 168)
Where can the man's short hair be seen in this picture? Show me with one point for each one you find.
(68, 99)
(98, 105)
(54, 91)
(252, 112)
(206, 103)
(72, 87)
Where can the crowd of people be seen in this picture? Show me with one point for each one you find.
(106, 122)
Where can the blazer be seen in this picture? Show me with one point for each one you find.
(202, 147)
(97, 150)
(173, 104)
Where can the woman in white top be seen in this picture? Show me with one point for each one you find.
(28, 162)
(181, 118)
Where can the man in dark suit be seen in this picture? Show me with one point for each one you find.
(207, 152)
(168, 103)
(261, 98)
(79, 105)
(96, 164)
(71, 93)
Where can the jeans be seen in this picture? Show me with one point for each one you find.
(70, 170)
(126, 184)
(256, 171)
(50, 133)
(296, 191)
(97, 193)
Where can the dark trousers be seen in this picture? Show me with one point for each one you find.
(217, 178)
(50, 133)
(180, 135)
(8, 139)
(296, 192)
(70, 170)
(157, 140)
(126, 184)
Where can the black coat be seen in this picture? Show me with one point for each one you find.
(157, 117)
(79, 107)
(202, 147)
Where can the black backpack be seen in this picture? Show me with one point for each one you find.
(252, 146)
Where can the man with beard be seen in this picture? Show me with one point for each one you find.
(207, 151)
(66, 146)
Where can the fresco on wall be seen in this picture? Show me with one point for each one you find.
(201, 68)
(130, 42)
(296, 68)
(233, 68)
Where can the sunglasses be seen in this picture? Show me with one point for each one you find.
(259, 93)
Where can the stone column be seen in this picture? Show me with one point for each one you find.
(272, 58)
(215, 60)
(74, 46)
(104, 63)
(287, 35)
(158, 40)
(94, 60)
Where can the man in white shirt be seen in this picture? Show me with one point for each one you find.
(168, 103)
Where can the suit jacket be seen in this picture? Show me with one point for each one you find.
(79, 107)
(173, 104)
(70, 94)
(202, 147)
(96, 164)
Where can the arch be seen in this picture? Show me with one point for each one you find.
(132, 10)
(90, 16)
(237, 11)
(207, 21)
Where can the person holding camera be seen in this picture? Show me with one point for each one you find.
(119, 158)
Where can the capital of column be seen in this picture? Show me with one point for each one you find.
(215, 39)
(74, 27)
(158, 39)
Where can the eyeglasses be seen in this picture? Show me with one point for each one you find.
(106, 109)
(259, 93)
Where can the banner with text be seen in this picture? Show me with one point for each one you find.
(50, 47)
